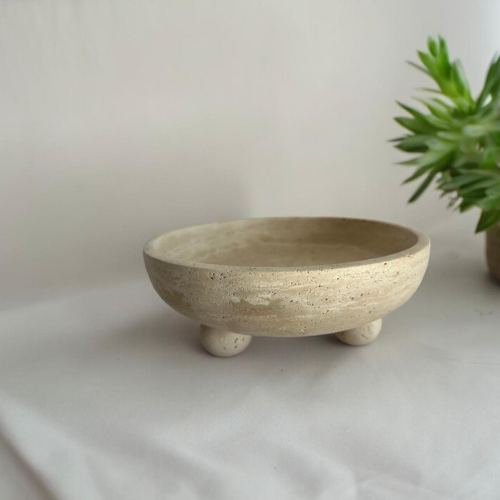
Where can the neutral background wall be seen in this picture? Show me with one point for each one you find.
(120, 120)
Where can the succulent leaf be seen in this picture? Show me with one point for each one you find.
(456, 137)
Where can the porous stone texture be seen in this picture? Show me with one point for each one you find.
(221, 343)
(287, 277)
(493, 252)
(361, 335)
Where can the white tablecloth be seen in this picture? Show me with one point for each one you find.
(106, 394)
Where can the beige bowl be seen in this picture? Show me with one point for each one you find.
(287, 277)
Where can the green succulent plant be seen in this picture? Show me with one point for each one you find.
(457, 138)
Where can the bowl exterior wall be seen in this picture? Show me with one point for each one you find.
(288, 303)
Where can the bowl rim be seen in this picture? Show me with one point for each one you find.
(423, 242)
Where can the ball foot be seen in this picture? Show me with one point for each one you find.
(361, 335)
(221, 343)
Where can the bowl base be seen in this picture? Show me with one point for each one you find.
(226, 344)
(361, 335)
(221, 343)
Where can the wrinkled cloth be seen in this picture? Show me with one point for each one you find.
(106, 394)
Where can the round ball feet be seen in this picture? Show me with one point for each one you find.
(361, 335)
(221, 343)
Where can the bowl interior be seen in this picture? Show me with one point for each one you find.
(285, 242)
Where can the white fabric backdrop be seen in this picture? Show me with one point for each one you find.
(122, 120)
(106, 394)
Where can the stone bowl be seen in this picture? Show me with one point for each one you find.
(287, 277)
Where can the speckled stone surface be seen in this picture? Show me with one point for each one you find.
(287, 277)
(493, 252)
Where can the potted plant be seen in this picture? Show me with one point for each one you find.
(456, 141)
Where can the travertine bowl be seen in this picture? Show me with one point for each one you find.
(287, 277)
